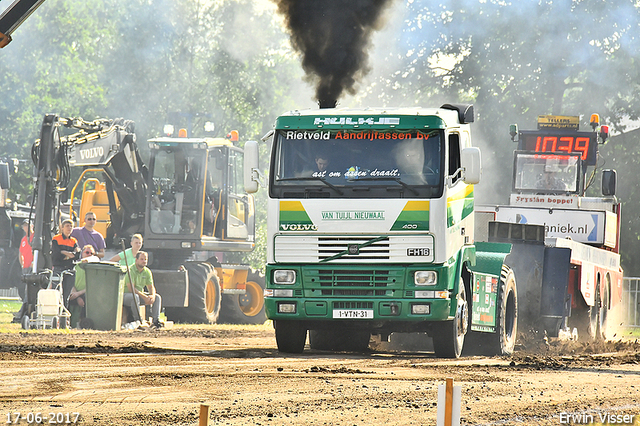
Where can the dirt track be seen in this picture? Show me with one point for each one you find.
(162, 377)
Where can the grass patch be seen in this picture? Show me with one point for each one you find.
(7, 309)
(631, 332)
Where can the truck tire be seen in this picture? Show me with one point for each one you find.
(339, 340)
(290, 336)
(503, 341)
(204, 296)
(591, 320)
(603, 309)
(448, 336)
(245, 308)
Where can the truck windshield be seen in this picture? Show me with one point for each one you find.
(546, 173)
(366, 164)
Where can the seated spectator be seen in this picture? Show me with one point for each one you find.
(130, 253)
(138, 279)
(88, 235)
(77, 299)
(64, 250)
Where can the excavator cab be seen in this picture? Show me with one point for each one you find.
(196, 196)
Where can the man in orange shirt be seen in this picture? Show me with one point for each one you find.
(64, 250)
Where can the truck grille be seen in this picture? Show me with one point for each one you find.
(331, 246)
(352, 282)
(375, 249)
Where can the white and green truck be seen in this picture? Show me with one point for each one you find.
(371, 231)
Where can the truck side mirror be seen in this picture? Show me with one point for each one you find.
(471, 164)
(5, 181)
(609, 182)
(251, 171)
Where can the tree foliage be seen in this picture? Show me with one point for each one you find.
(518, 60)
(187, 62)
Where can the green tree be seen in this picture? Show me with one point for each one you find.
(518, 60)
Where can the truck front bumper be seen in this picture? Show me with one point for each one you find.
(377, 310)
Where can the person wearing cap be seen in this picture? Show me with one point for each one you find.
(87, 235)
(26, 252)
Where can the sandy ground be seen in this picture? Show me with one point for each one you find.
(162, 378)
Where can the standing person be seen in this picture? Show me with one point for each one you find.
(129, 254)
(64, 250)
(26, 252)
(87, 235)
(142, 278)
(77, 295)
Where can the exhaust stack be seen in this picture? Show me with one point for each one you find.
(327, 103)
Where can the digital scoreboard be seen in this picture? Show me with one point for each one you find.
(559, 134)
(561, 142)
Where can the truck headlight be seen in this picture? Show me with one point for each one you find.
(284, 276)
(425, 278)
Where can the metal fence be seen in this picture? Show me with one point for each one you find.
(10, 293)
(631, 301)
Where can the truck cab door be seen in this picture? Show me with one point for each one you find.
(240, 223)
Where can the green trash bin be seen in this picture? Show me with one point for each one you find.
(105, 289)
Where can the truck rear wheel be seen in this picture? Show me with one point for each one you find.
(204, 296)
(448, 336)
(245, 308)
(503, 341)
(290, 336)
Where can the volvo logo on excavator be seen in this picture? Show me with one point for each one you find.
(94, 152)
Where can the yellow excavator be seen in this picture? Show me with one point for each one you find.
(189, 203)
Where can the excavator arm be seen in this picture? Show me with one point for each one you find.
(108, 144)
(15, 15)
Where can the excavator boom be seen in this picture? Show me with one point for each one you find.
(15, 15)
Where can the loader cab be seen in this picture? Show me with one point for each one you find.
(196, 195)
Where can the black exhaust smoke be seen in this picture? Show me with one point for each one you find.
(333, 37)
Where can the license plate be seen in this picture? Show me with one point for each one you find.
(353, 313)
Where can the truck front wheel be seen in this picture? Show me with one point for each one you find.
(290, 336)
(448, 336)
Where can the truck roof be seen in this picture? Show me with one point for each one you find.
(414, 117)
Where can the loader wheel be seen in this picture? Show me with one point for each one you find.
(245, 308)
(290, 336)
(204, 296)
(339, 340)
(503, 341)
(448, 336)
